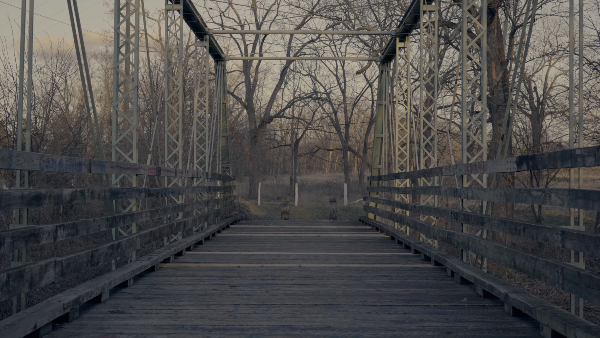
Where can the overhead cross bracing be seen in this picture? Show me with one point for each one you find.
(298, 32)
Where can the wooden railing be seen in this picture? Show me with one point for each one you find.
(213, 205)
(392, 215)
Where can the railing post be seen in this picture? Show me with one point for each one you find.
(285, 208)
(345, 194)
(332, 209)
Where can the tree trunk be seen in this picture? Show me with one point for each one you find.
(363, 164)
(254, 157)
(498, 75)
(345, 159)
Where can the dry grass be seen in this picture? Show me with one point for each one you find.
(312, 189)
(317, 211)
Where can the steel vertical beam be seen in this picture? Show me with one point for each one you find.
(19, 257)
(580, 261)
(428, 69)
(224, 160)
(474, 99)
(173, 75)
(125, 101)
(201, 115)
(576, 257)
(402, 119)
(221, 135)
(377, 166)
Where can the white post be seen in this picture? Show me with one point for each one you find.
(296, 201)
(258, 193)
(345, 194)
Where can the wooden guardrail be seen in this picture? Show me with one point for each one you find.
(567, 277)
(218, 209)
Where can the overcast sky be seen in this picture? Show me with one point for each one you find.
(52, 20)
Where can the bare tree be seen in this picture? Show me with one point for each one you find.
(247, 92)
(536, 132)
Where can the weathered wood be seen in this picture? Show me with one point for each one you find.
(101, 298)
(568, 198)
(36, 235)
(562, 159)
(24, 278)
(564, 276)
(40, 316)
(23, 160)
(332, 209)
(285, 208)
(547, 314)
(356, 297)
(558, 236)
(35, 198)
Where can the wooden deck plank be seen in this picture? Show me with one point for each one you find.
(299, 284)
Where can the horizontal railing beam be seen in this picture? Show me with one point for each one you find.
(23, 160)
(547, 314)
(562, 159)
(37, 198)
(28, 277)
(298, 32)
(25, 322)
(568, 198)
(561, 237)
(555, 273)
(42, 234)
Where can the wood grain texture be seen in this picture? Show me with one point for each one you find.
(583, 283)
(23, 160)
(39, 317)
(28, 277)
(567, 198)
(562, 159)
(386, 292)
(558, 236)
(41, 234)
(37, 198)
(546, 314)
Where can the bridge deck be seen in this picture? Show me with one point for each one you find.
(297, 278)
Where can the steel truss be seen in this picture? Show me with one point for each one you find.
(223, 160)
(21, 218)
(125, 101)
(221, 132)
(576, 258)
(474, 112)
(383, 91)
(202, 151)
(402, 121)
(428, 88)
(173, 75)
